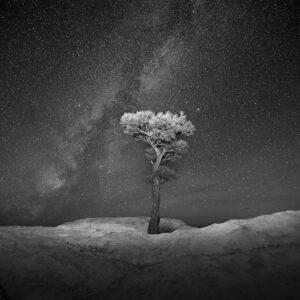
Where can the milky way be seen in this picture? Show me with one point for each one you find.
(70, 69)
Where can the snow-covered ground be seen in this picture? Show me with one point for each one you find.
(115, 258)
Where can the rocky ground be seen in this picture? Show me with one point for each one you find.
(115, 258)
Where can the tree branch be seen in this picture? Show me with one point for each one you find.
(142, 132)
(164, 180)
(167, 158)
(149, 141)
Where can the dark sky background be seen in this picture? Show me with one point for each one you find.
(70, 69)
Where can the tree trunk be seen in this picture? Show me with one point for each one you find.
(153, 227)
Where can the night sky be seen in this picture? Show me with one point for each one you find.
(70, 69)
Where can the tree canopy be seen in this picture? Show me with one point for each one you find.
(161, 131)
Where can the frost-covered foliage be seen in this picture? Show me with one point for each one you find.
(162, 132)
(176, 150)
(158, 128)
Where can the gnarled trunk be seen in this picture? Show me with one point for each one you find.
(154, 219)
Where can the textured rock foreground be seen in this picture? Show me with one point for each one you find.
(114, 258)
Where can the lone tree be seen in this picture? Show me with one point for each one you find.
(162, 132)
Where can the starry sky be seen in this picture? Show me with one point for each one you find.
(70, 69)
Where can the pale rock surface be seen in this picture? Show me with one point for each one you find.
(115, 258)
